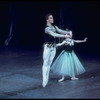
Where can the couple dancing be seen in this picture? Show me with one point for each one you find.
(67, 63)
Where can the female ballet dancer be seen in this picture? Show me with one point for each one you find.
(67, 63)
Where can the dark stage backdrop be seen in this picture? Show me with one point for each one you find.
(83, 18)
(4, 17)
(25, 20)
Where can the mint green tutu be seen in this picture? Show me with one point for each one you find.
(67, 63)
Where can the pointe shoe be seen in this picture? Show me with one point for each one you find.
(74, 78)
(61, 79)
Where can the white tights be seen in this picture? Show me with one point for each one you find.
(48, 56)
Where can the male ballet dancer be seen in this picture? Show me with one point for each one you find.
(50, 35)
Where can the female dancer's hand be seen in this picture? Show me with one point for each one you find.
(85, 39)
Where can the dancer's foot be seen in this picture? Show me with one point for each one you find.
(45, 77)
(61, 79)
(44, 83)
(74, 78)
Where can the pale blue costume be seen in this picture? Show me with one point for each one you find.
(67, 63)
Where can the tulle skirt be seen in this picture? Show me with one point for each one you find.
(67, 64)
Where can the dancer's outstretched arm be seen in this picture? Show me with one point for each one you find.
(48, 31)
(60, 44)
(62, 31)
(80, 41)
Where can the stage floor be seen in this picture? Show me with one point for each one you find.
(21, 77)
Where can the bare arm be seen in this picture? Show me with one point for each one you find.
(62, 31)
(60, 44)
(80, 41)
(48, 31)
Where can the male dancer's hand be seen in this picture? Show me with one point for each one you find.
(69, 35)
